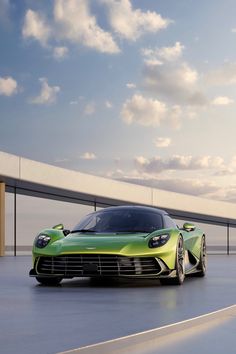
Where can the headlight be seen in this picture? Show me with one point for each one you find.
(42, 241)
(158, 241)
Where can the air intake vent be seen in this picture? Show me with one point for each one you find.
(81, 265)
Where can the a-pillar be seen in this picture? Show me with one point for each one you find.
(2, 219)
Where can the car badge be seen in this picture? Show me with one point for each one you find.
(90, 248)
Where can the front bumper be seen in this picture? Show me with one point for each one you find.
(100, 265)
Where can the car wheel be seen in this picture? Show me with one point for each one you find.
(179, 266)
(202, 260)
(49, 281)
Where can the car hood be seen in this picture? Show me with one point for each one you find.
(100, 243)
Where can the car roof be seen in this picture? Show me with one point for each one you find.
(136, 207)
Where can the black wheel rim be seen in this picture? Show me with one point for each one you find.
(180, 255)
(204, 255)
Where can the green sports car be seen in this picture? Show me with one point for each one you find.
(122, 241)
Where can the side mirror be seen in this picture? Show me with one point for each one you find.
(58, 227)
(66, 232)
(189, 227)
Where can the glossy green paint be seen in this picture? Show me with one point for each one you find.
(58, 227)
(131, 245)
(189, 226)
(192, 241)
(120, 254)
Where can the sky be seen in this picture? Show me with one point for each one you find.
(139, 91)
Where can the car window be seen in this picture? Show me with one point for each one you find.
(169, 223)
(121, 221)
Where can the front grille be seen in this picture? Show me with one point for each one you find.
(79, 265)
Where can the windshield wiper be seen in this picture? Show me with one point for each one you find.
(132, 232)
(112, 232)
(82, 230)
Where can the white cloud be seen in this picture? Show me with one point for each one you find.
(108, 104)
(156, 164)
(73, 22)
(162, 142)
(188, 75)
(36, 27)
(89, 108)
(88, 156)
(141, 161)
(171, 53)
(191, 186)
(144, 111)
(197, 187)
(222, 101)
(152, 61)
(130, 85)
(149, 112)
(48, 94)
(59, 53)
(227, 194)
(131, 23)
(188, 186)
(229, 169)
(156, 55)
(76, 24)
(8, 86)
(233, 30)
(169, 77)
(176, 82)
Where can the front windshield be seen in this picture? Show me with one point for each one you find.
(124, 220)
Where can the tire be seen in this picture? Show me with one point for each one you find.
(49, 281)
(201, 269)
(179, 266)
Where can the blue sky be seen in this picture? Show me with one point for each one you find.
(142, 91)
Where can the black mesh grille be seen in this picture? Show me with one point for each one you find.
(97, 265)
